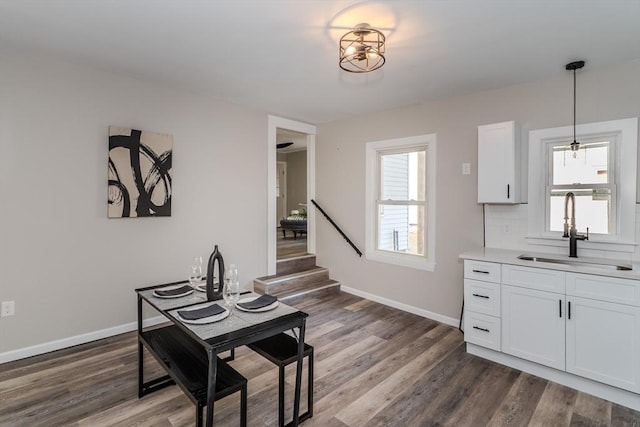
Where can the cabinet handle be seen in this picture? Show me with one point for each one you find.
(508, 191)
(480, 329)
(560, 307)
(480, 271)
(480, 296)
(569, 311)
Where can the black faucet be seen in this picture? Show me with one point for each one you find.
(213, 294)
(572, 233)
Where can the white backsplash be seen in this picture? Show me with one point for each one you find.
(506, 228)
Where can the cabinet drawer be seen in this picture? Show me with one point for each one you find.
(480, 270)
(482, 297)
(612, 289)
(482, 330)
(534, 278)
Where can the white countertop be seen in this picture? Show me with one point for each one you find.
(505, 256)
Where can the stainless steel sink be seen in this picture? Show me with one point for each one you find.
(585, 263)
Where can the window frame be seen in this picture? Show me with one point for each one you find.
(613, 140)
(373, 191)
(625, 160)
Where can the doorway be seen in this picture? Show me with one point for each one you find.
(301, 153)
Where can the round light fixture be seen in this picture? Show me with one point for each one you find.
(362, 49)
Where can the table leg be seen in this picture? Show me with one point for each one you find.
(140, 350)
(296, 399)
(211, 385)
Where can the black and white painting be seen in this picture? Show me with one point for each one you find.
(139, 173)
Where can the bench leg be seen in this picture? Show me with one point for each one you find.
(310, 386)
(243, 406)
(281, 397)
(198, 415)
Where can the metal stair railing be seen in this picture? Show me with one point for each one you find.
(355, 248)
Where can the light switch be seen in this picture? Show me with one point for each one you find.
(466, 168)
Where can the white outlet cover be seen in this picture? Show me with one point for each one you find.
(466, 168)
(8, 308)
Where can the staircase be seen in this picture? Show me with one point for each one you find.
(296, 276)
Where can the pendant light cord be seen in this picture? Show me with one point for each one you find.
(574, 105)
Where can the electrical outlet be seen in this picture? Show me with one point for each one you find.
(8, 308)
(466, 169)
(506, 228)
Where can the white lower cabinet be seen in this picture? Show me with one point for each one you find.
(583, 324)
(603, 342)
(533, 325)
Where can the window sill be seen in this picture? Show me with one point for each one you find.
(616, 246)
(403, 260)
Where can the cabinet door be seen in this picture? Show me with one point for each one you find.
(496, 163)
(603, 342)
(533, 325)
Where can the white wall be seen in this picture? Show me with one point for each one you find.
(603, 94)
(71, 270)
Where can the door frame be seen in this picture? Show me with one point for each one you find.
(275, 122)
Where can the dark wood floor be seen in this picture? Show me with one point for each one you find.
(375, 366)
(291, 247)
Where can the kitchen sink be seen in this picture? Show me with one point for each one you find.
(579, 262)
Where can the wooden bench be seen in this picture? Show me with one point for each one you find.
(282, 350)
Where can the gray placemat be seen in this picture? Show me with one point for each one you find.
(236, 321)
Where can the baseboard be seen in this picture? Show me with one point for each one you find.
(34, 350)
(400, 306)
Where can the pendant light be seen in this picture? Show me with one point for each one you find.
(573, 66)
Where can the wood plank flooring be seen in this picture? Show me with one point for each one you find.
(375, 366)
(290, 247)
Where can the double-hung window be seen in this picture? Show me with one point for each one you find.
(400, 201)
(590, 174)
(601, 175)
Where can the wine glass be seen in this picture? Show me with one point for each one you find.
(231, 289)
(195, 277)
(231, 293)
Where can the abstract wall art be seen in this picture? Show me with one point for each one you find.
(139, 173)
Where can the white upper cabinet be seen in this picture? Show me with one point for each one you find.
(499, 164)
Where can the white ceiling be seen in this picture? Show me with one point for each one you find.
(280, 56)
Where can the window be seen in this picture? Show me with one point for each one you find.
(589, 174)
(601, 174)
(400, 201)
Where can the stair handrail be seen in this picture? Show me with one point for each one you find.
(355, 248)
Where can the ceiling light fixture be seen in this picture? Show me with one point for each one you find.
(573, 66)
(284, 145)
(362, 49)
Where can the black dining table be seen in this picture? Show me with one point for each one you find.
(238, 329)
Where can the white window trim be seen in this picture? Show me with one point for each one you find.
(626, 163)
(407, 260)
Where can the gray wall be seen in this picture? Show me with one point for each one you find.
(603, 94)
(71, 270)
